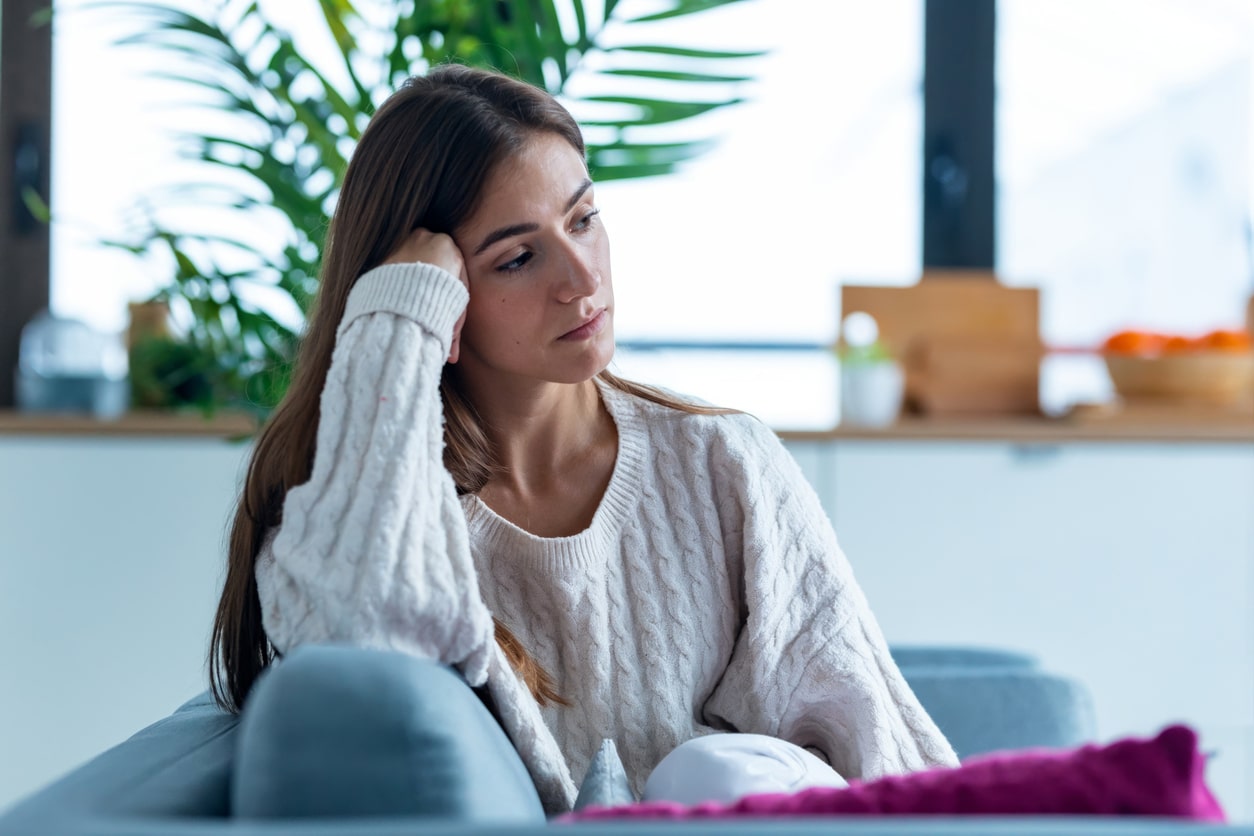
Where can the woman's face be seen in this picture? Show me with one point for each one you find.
(538, 261)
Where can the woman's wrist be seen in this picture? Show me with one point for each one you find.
(424, 293)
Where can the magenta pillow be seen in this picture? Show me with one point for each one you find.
(1161, 776)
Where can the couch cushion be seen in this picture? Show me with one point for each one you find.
(959, 656)
(178, 766)
(993, 709)
(605, 783)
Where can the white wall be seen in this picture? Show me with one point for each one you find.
(1126, 566)
(111, 554)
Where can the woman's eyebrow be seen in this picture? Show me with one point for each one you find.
(505, 232)
(583, 187)
(518, 229)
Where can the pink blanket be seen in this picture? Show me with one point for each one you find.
(1159, 776)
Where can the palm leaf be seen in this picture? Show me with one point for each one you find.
(683, 8)
(677, 75)
(687, 52)
(655, 111)
(337, 14)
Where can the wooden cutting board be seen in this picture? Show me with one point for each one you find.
(969, 344)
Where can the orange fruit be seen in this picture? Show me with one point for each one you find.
(1177, 344)
(1227, 340)
(1133, 341)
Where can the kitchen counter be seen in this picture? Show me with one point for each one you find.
(133, 424)
(1084, 425)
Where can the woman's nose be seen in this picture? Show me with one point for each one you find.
(582, 274)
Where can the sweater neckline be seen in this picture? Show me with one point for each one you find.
(501, 536)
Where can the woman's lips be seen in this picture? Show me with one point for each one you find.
(589, 329)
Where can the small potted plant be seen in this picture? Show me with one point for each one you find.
(872, 382)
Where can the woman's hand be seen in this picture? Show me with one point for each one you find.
(426, 247)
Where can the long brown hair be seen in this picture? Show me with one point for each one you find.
(422, 162)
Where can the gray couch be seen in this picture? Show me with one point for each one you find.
(363, 743)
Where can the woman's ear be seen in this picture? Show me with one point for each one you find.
(455, 350)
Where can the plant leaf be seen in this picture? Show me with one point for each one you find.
(683, 8)
(686, 52)
(656, 111)
(36, 204)
(676, 75)
(337, 13)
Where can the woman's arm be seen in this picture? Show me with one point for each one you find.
(373, 549)
(810, 664)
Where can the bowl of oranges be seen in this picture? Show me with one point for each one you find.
(1213, 368)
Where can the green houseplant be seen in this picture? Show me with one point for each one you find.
(291, 129)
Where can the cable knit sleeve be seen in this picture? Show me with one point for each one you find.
(810, 664)
(373, 549)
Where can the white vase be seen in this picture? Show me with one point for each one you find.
(871, 393)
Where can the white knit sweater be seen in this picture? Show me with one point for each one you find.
(708, 594)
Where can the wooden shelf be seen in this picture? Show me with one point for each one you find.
(1090, 427)
(138, 424)
(1183, 428)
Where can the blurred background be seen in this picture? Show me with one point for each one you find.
(1122, 184)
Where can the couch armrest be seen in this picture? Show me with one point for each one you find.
(178, 766)
(338, 731)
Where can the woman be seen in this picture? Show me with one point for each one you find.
(455, 474)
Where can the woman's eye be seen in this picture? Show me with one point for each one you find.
(516, 264)
(588, 219)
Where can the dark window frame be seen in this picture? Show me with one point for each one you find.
(959, 134)
(25, 148)
(959, 188)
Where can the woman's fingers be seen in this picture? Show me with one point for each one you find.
(427, 247)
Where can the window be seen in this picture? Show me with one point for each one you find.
(814, 181)
(1123, 184)
(112, 143)
(1123, 169)
(116, 143)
